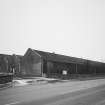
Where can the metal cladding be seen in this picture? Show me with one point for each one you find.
(60, 58)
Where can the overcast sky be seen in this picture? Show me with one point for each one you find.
(71, 27)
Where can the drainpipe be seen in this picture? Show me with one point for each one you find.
(19, 66)
(76, 71)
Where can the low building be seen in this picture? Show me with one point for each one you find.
(10, 64)
(40, 63)
(5, 63)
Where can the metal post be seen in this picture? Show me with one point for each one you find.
(19, 66)
(76, 69)
(42, 67)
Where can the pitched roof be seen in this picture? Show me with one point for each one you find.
(4, 55)
(96, 63)
(59, 58)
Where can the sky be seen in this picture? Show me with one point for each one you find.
(69, 27)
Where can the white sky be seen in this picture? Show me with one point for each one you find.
(71, 27)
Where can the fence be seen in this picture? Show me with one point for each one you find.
(76, 76)
(6, 78)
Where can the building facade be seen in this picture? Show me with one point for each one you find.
(39, 63)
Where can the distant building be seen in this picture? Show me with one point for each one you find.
(5, 63)
(10, 63)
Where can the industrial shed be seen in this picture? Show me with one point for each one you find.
(39, 63)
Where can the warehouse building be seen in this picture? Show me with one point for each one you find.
(40, 63)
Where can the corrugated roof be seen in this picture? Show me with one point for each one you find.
(96, 63)
(60, 58)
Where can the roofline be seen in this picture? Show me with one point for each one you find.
(67, 56)
(36, 53)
